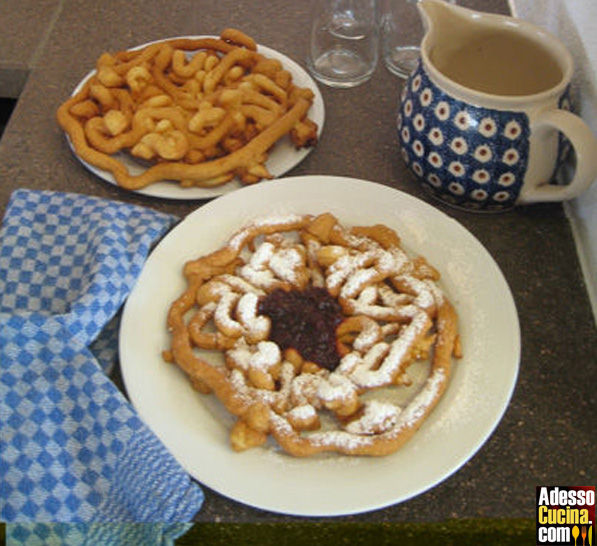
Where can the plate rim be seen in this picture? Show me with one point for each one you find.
(498, 413)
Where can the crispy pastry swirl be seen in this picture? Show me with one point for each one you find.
(198, 111)
(394, 314)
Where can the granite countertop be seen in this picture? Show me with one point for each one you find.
(545, 437)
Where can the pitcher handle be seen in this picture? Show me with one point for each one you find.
(585, 147)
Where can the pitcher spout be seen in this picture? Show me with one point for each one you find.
(446, 26)
(435, 13)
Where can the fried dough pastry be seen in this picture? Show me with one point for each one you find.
(313, 319)
(198, 111)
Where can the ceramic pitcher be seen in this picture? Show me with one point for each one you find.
(484, 121)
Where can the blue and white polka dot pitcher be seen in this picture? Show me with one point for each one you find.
(484, 120)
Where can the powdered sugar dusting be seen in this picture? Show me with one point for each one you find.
(285, 262)
(277, 220)
(223, 313)
(377, 418)
(303, 413)
(335, 387)
(367, 337)
(267, 355)
(247, 313)
(262, 356)
(357, 281)
(365, 377)
(341, 439)
(423, 400)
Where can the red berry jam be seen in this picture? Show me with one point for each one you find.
(306, 321)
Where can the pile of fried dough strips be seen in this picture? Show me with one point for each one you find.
(394, 314)
(198, 111)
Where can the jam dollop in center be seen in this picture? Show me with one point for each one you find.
(306, 321)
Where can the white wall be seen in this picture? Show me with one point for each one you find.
(574, 22)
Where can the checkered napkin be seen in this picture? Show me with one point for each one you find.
(72, 449)
(93, 534)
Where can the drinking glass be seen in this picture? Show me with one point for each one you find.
(401, 31)
(344, 41)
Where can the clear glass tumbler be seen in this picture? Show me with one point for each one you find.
(401, 30)
(343, 47)
(401, 33)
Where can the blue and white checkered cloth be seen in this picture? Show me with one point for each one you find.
(72, 449)
(93, 534)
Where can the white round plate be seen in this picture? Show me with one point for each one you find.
(195, 427)
(283, 156)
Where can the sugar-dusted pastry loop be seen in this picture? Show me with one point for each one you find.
(357, 312)
(361, 331)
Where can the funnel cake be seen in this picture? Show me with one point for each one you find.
(199, 111)
(313, 319)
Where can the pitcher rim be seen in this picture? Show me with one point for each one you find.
(551, 42)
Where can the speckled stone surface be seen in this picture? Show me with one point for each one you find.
(547, 433)
(25, 25)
